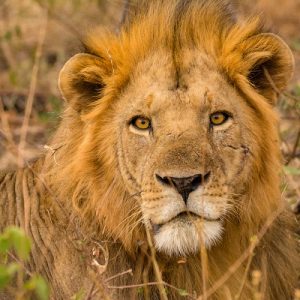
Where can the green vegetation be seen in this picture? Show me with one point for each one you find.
(15, 249)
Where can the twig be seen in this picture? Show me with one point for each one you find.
(132, 286)
(101, 291)
(32, 89)
(20, 263)
(101, 268)
(90, 293)
(272, 83)
(118, 275)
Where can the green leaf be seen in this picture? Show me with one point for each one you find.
(20, 242)
(77, 4)
(253, 239)
(37, 284)
(183, 293)
(4, 277)
(5, 243)
(7, 273)
(296, 45)
(3, 258)
(13, 268)
(7, 35)
(18, 31)
(13, 77)
(51, 3)
(53, 115)
(56, 104)
(296, 90)
(291, 170)
(140, 291)
(79, 295)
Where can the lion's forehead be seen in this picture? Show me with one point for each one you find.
(194, 82)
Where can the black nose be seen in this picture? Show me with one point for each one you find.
(184, 185)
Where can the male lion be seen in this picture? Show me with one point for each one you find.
(169, 135)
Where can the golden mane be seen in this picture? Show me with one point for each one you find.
(85, 168)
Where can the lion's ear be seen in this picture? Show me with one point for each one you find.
(81, 80)
(262, 61)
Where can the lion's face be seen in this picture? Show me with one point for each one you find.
(181, 152)
(184, 113)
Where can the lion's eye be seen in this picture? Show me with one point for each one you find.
(141, 123)
(218, 118)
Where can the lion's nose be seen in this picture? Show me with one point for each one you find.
(184, 185)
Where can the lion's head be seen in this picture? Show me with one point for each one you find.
(171, 124)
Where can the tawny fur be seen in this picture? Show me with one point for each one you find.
(84, 191)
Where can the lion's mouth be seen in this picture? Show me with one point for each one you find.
(186, 217)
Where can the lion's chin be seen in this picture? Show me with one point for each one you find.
(182, 238)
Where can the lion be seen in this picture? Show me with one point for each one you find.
(166, 163)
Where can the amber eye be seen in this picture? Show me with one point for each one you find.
(141, 123)
(218, 118)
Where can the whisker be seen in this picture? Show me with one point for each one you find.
(133, 195)
(129, 217)
(130, 228)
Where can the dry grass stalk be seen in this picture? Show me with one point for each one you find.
(204, 263)
(32, 90)
(256, 279)
(5, 128)
(146, 280)
(234, 267)
(244, 279)
(157, 271)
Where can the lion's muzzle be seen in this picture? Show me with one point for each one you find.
(184, 185)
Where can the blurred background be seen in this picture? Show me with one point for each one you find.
(38, 36)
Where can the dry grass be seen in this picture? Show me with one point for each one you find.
(37, 37)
